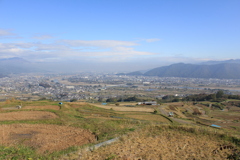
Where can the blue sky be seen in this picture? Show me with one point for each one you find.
(153, 32)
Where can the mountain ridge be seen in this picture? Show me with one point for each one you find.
(229, 69)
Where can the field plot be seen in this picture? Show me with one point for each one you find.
(78, 104)
(44, 137)
(231, 116)
(164, 143)
(234, 109)
(227, 119)
(43, 130)
(42, 107)
(27, 115)
(130, 109)
(148, 117)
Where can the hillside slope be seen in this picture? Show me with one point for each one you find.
(224, 70)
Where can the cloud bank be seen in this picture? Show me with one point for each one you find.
(97, 54)
(63, 49)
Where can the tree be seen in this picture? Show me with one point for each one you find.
(111, 100)
(73, 100)
(219, 94)
(100, 99)
(176, 99)
(211, 97)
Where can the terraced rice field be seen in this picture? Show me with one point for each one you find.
(129, 109)
(27, 115)
(154, 143)
(149, 117)
(43, 137)
(54, 107)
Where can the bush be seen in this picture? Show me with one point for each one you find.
(196, 112)
(73, 100)
(155, 111)
(111, 100)
(219, 105)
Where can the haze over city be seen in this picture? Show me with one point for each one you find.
(124, 35)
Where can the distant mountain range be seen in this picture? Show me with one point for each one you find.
(17, 65)
(229, 69)
(218, 62)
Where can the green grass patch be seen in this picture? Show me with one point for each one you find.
(17, 152)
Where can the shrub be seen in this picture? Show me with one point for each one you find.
(155, 111)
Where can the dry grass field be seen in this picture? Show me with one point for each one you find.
(121, 108)
(234, 109)
(78, 104)
(54, 107)
(31, 133)
(164, 143)
(148, 117)
(43, 137)
(27, 115)
(228, 118)
(43, 130)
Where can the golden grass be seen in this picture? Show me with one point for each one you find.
(79, 103)
(27, 115)
(129, 112)
(130, 109)
(177, 109)
(44, 137)
(54, 107)
(164, 143)
(150, 117)
(103, 118)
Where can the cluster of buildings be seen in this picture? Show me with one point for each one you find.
(99, 87)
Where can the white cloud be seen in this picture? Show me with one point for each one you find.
(152, 40)
(22, 45)
(8, 34)
(5, 33)
(115, 49)
(98, 43)
(76, 49)
(43, 37)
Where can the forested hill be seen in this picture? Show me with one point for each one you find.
(221, 71)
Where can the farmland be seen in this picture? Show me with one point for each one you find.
(165, 142)
(49, 130)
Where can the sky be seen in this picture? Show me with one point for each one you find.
(120, 34)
